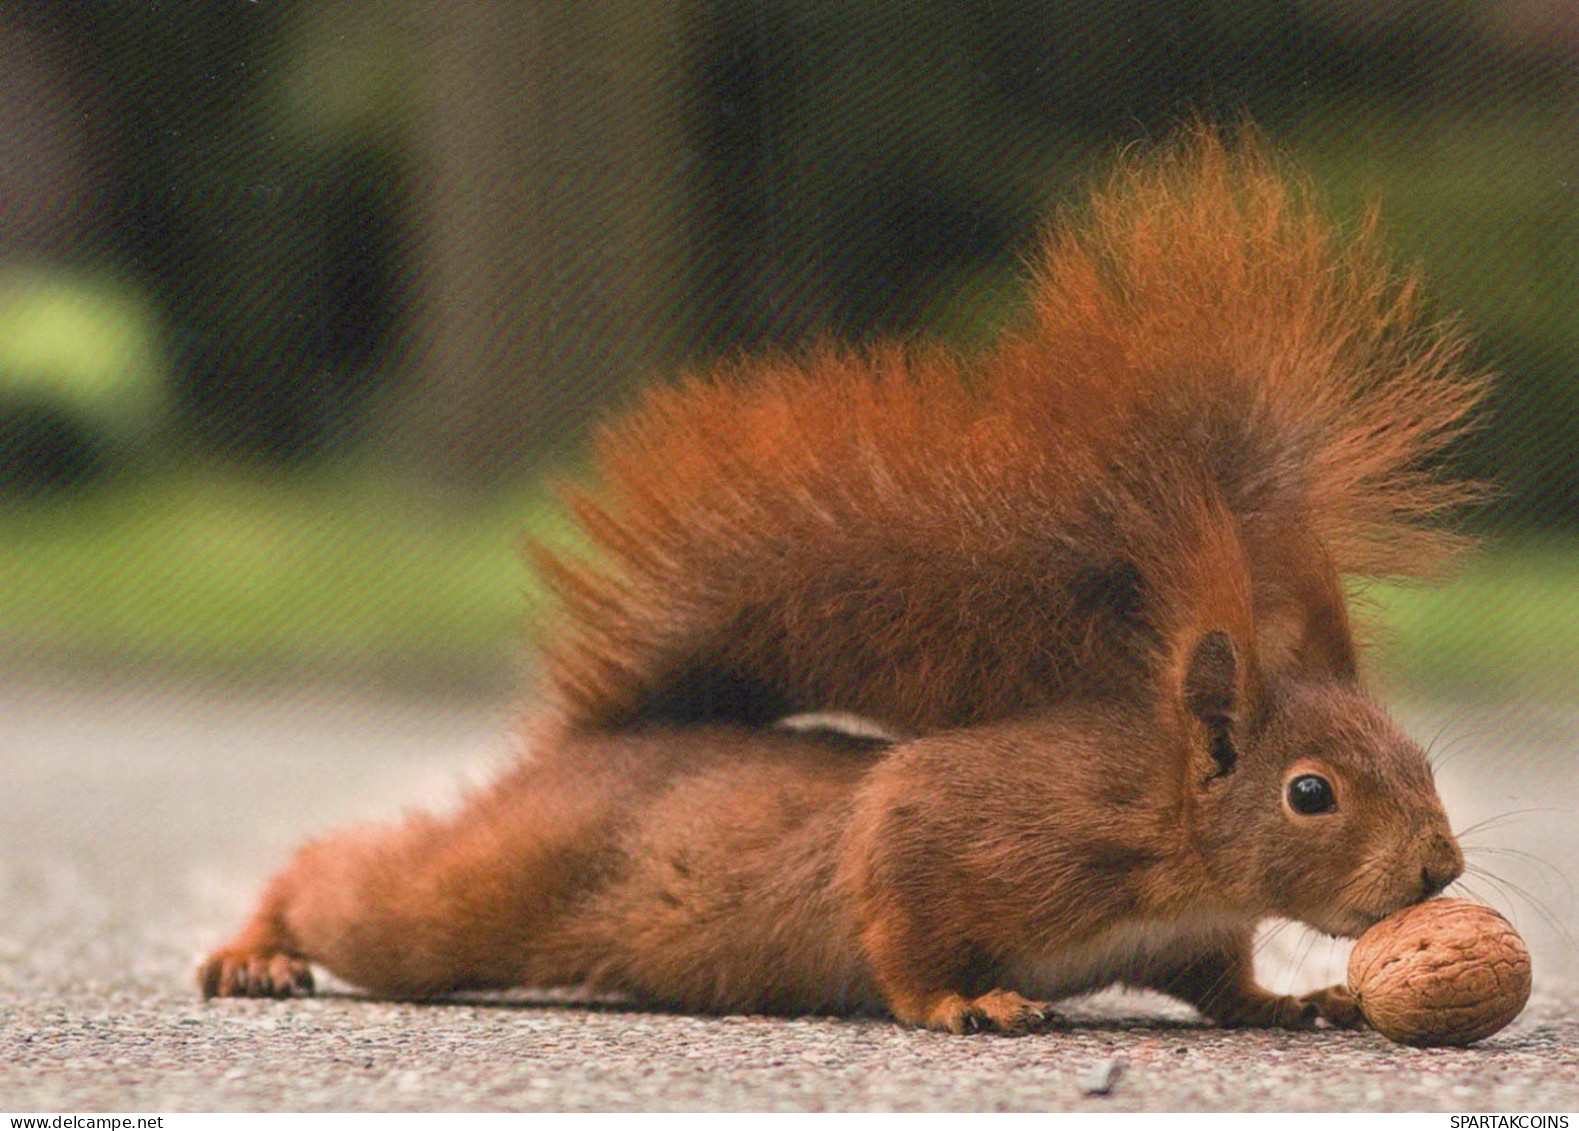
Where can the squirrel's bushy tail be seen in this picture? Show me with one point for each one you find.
(936, 542)
(1208, 291)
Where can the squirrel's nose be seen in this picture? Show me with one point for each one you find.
(1444, 863)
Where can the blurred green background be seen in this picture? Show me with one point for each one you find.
(299, 302)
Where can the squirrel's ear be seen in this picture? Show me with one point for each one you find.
(1211, 695)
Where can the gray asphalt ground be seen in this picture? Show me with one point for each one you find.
(137, 826)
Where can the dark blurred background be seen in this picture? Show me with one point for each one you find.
(299, 300)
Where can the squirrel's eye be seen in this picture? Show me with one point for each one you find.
(1311, 795)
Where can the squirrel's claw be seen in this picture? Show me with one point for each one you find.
(997, 1011)
(1336, 1006)
(230, 973)
(1262, 1010)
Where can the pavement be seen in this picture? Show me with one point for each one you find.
(138, 823)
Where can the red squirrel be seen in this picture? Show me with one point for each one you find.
(1087, 587)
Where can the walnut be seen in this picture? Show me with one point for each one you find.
(1444, 972)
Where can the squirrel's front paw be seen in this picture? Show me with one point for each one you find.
(997, 1011)
(1264, 1011)
(1336, 1006)
(243, 973)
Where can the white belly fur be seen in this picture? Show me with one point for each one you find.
(1126, 952)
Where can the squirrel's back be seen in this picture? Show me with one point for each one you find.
(1219, 401)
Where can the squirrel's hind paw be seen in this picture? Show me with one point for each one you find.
(240, 973)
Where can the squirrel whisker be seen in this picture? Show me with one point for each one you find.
(1509, 890)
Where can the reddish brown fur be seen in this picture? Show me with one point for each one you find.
(955, 881)
(932, 542)
(1096, 572)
